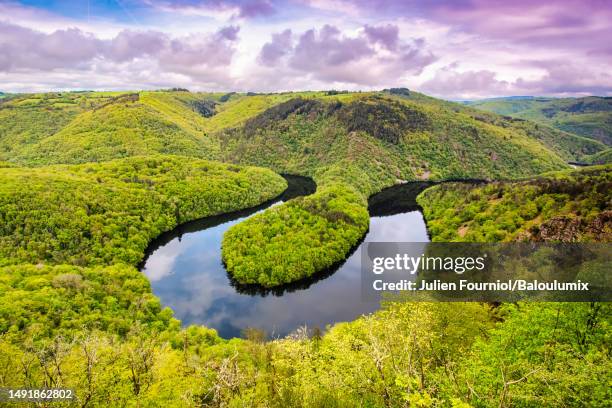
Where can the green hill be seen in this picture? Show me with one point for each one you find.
(92, 214)
(354, 147)
(79, 127)
(571, 205)
(352, 144)
(589, 117)
(76, 127)
(75, 313)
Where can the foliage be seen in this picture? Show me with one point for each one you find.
(588, 116)
(566, 206)
(293, 241)
(39, 302)
(602, 157)
(335, 142)
(98, 329)
(542, 354)
(387, 121)
(107, 213)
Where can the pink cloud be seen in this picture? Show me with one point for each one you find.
(561, 78)
(26, 49)
(256, 8)
(562, 24)
(22, 47)
(369, 58)
(465, 85)
(387, 35)
(567, 78)
(280, 45)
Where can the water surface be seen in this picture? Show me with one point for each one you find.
(186, 272)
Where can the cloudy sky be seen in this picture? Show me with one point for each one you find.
(454, 49)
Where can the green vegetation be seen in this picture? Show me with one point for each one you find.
(94, 214)
(354, 148)
(276, 247)
(75, 313)
(125, 125)
(603, 157)
(589, 117)
(64, 300)
(352, 144)
(415, 139)
(99, 331)
(567, 206)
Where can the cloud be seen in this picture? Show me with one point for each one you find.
(564, 78)
(374, 56)
(256, 8)
(560, 78)
(328, 48)
(280, 45)
(128, 45)
(22, 47)
(465, 85)
(559, 24)
(502, 48)
(223, 9)
(201, 56)
(387, 35)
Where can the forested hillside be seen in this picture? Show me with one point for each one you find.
(563, 206)
(352, 144)
(77, 127)
(106, 213)
(588, 117)
(353, 147)
(100, 331)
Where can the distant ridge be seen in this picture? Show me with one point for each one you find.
(589, 116)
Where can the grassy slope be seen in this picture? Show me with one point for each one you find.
(590, 117)
(107, 213)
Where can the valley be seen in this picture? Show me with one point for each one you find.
(151, 251)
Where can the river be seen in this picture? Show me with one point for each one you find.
(186, 273)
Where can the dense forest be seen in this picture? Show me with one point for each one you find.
(94, 214)
(100, 330)
(89, 179)
(563, 206)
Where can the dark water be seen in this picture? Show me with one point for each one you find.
(185, 270)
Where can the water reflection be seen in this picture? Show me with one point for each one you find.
(186, 272)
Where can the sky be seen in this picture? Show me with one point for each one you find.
(453, 49)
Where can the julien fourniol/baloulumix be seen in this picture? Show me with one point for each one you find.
(498, 285)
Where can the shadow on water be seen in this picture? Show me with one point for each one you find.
(297, 186)
(397, 199)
